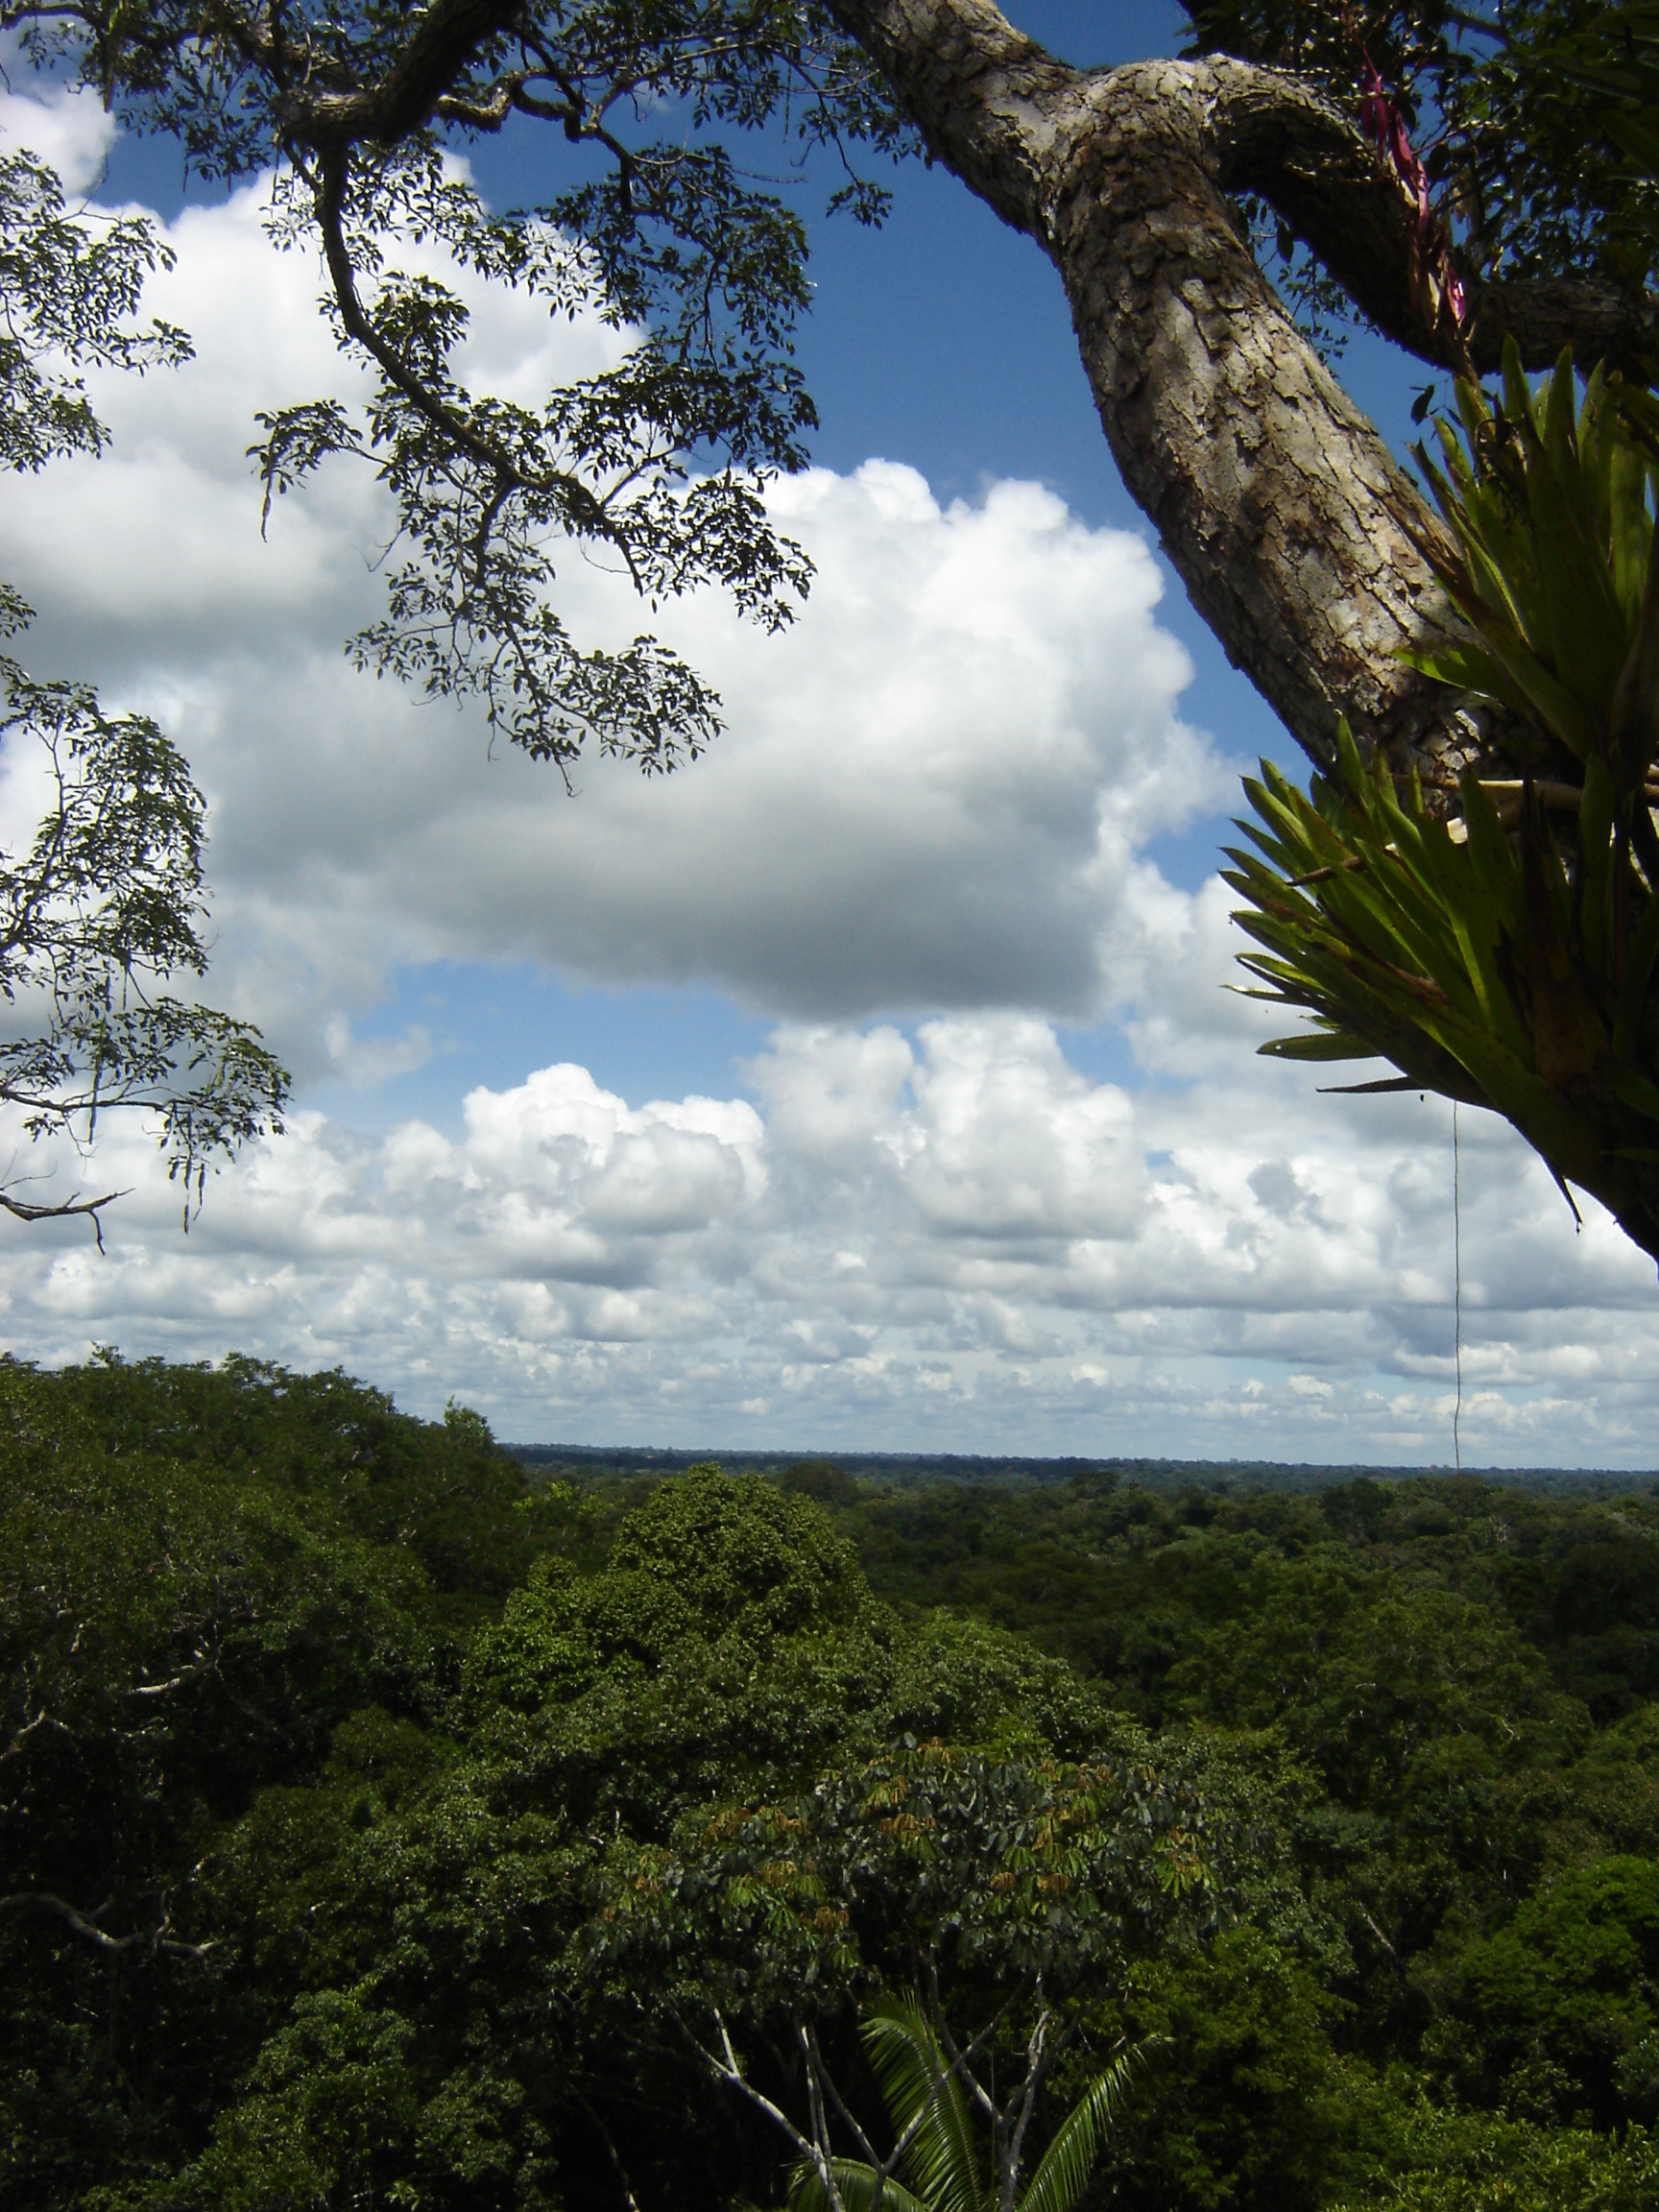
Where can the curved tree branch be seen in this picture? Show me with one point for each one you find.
(585, 511)
(62, 1210)
(1295, 531)
(154, 1939)
(1278, 137)
(445, 39)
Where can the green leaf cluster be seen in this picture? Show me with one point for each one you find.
(100, 914)
(1511, 105)
(1546, 497)
(108, 905)
(1440, 2161)
(69, 286)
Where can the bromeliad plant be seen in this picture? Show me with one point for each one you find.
(1499, 949)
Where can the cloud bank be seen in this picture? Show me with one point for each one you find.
(929, 793)
(62, 125)
(951, 1242)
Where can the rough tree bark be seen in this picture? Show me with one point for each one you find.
(1299, 538)
(1293, 528)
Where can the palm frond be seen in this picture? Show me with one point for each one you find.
(855, 2180)
(915, 2079)
(1070, 2158)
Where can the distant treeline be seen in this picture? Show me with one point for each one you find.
(916, 1470)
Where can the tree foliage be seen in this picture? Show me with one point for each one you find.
(1524, 160)
(1467, 1668)
(658, 232)
(374, 1819)
(387, 1824)
(108, 905)
(102, 912)
(69, 292)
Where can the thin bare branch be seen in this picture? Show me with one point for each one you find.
(1040, 2052)
(825, 2160)
(154, 1939)
(727, 2069)
(206, 1663)
(810, 2037)
(959, 2059)
(25, 1209)
(629, 2199)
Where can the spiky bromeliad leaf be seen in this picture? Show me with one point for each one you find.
(1548, 504)
(1504, 956)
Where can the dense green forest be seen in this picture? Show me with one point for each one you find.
(384, 1822)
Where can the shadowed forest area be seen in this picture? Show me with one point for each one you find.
(384, 1821)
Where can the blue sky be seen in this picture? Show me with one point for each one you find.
(873, 1084)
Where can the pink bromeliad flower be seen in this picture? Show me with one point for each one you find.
(1393, 142)
(1387, 128)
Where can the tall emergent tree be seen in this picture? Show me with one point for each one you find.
(1446, 174)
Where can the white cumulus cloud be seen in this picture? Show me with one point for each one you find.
(65, 126)
(929, 794)
(945, 1242)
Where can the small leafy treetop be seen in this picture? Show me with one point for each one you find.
(1008, 1889)
(984, 1869)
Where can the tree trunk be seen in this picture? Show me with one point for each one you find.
(1293, 528)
